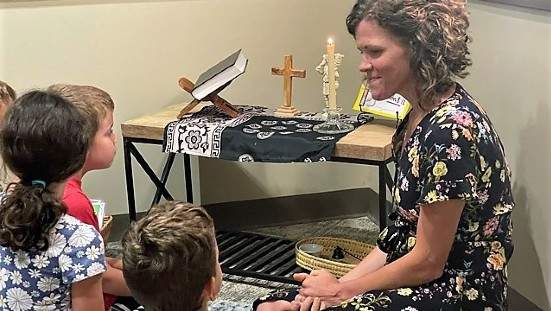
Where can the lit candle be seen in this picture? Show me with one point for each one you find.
(331, 74)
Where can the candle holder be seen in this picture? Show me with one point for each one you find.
(333, 125)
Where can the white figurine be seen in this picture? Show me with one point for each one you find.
(322, 68)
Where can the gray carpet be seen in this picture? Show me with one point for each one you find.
(245, 290)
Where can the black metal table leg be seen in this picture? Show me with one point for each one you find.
(129, 179)
(187, 174)
(382, 196)
(147, 169)
(388, 178)
(164, 177)
(130, 150)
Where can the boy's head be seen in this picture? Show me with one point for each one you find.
(170, 258)
(97, 106)
(7, 96)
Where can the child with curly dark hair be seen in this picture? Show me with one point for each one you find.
(50, 260)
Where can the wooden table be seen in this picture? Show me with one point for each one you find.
(369, 144)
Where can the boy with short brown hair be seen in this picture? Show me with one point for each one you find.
(170, 258)
(97, 106)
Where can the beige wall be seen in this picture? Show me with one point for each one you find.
(511, 77)
(137, 50)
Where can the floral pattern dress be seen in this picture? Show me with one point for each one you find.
(41, 280)
(454, 153)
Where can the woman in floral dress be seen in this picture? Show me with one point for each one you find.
(449, 239)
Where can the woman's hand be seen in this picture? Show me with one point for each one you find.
(319, 303)
(319, 283)
(279, 305)
(307, 304)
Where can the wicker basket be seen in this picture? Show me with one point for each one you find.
(353, 250)
(106, 227)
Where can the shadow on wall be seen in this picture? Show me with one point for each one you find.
(532, 190)
(236, 182)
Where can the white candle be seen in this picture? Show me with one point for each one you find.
(331, 74)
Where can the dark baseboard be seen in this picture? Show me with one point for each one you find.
(300, 209)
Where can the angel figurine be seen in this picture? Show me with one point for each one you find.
(323, 69)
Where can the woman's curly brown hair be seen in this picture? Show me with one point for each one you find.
(42, 141)
(435, 31)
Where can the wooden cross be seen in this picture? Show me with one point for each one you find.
(288, 73)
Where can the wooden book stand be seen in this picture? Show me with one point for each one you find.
(213, 97)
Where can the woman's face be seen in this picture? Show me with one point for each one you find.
(384, 61)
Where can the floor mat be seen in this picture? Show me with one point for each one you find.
(238, 293)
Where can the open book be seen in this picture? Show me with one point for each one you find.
(395, 107)
(220, 75)
(99, 210)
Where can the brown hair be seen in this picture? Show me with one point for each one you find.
(435, 31)
(34, 145)
(169, 256)
(93, 102)
(7, 94)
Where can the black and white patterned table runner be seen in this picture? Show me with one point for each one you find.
(254, 136)
(201, 133)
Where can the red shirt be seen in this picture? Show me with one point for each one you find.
(79, 206)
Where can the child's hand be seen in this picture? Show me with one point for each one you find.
(114, 262)
(316, 303)
(319, 283)
(280, 305)
(311, 304)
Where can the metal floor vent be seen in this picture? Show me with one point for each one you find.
(257, 256)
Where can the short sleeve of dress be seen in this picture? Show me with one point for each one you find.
(449, 167)
(84, 254)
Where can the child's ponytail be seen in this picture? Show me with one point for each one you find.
(27, 216)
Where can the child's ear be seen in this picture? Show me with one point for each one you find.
(210, 291)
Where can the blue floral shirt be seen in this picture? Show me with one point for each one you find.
(41, 280)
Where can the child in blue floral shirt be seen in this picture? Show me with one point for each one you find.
(48, 259)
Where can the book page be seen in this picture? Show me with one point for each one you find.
(99, 210)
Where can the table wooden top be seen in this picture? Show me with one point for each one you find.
(372, 141)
